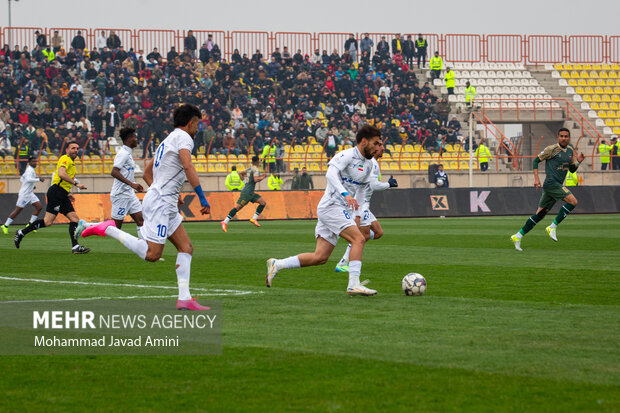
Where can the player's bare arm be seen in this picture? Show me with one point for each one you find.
(148, 173)
(116, 173)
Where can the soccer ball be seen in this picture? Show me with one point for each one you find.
(414, 284)
(439, 183)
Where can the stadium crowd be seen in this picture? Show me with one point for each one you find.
(246, 102)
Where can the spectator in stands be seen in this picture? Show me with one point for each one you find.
(113, 42)
(57, 42)
(112, 121)
(383, 49)
(40, 39)
(421, 44)
(102, 41)
(190, 43)
(366, 44)
(441, 178)
(442, 110)
(409, 51)
(78, 42)
(455, 125)
(351, 46)
(397, 44)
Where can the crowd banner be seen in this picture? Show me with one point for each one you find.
(394, 203)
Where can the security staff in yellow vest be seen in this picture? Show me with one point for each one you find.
(605, 150)
(450, 82)
(234, 181)
(23, 153)
(484, 156)
(421, 44)
(615, 154)
(436, 64)
(572, 179)
(470, 94)
(269, 155)
(49, 54)
(274, 182)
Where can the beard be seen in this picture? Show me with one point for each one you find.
(368, 152)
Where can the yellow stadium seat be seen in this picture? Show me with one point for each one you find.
(599, 82)
(574, 74)
(594, 106)
(609, 122)
(568, 66)
(210, 167)
(453, 165)
(572, 82)
(593, 73)
(602, 74)
(558, 66)
(613, 106)
(603, 105)
(617, 122)
(408, 148)
(565, 74)
(201, 167)
(605, 98)
(612, 74)
(596, 66)
(314, 166)
(581, 82)
(595, 98)
(580, 90)
(398, 148)
(602, 114)
(588, 90)
(299, 149)
(611, 113)
(389, 147)
(407, 155)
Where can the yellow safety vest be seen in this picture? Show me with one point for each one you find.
(274, 183)
(50, 55)
(449, 78)
(604, 150)
(470, 94)
(483, 154)
(436, 63)
(23, 152)
(233, 181)
(572, 179)
(269, 154)
(420, 43)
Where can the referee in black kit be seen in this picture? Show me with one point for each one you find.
(59, 199)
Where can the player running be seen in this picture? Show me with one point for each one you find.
(165, 175)
(59, 199)
(123, 198)
(26, 195)
(248, 195)
(365, 219)
(348, 172)
(559, 158)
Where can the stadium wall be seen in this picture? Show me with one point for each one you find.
(398, 203)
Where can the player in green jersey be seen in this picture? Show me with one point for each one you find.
(248, 195)
(559, 158)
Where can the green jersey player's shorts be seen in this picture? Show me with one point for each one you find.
(551, 195)
(246, 198)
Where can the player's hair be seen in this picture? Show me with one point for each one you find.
(126, 132)
(367, 131)
(184, 113)
(71, 143)
(564, 130)
(233, 168)
(30, 158)
(254, 158)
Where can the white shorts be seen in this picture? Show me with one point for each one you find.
(333, 220)
(366, 217)
(122, 206)
(27, 199)
(161, 219)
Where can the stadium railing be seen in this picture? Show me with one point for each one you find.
(466, 48)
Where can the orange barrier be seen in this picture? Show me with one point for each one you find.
(492, 48)
(280, 205)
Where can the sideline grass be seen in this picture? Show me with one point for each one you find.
(497, 330)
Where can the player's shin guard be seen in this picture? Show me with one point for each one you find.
(136, 245)
(563, 213)
(355, 269)
(33, 218)
(33, 226)
(184, 263)
(72, 227)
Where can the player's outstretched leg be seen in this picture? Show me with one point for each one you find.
(33, 226)
(108, 229)
(529, 225)
(319, 257)
(343, 264)
(230, 216)
(571, 203)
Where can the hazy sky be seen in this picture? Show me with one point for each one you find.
(448, 16)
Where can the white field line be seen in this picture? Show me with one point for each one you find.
(205, 291)
(88, 299)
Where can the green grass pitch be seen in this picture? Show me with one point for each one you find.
(497, 330)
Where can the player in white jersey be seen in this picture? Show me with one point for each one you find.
(366, 220)
(123, 196)
(26, 195)
(165, 175)
(348, 173)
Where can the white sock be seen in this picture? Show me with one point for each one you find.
(255, 217)
(355, 268)
(32, 218)
(290, 262)
(519, 235)
(184, 263)
(8, 222)
(136, 245)
(553, 226)
(226, 220)
(345, 258)
(372, 234)
(138, 229)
